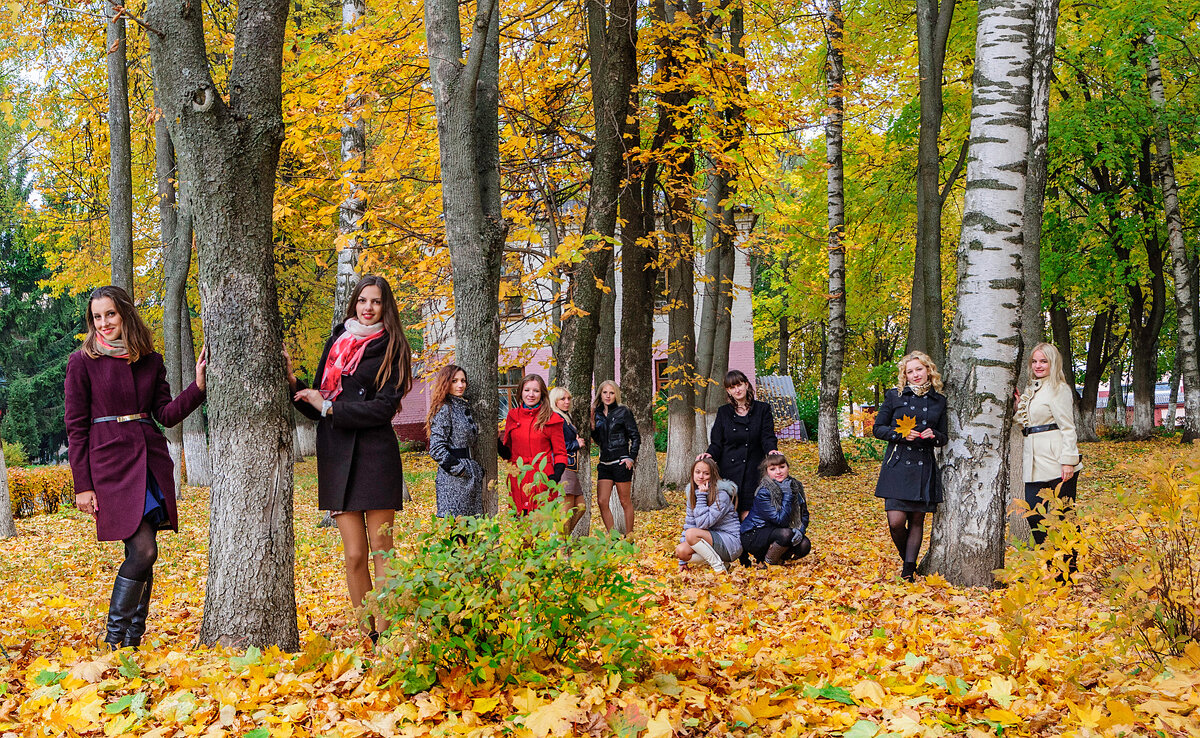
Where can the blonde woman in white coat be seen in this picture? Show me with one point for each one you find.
(1045, 411)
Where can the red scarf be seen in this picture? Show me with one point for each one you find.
(116, 349)
(345, 353)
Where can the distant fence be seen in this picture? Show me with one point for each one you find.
(780, 393)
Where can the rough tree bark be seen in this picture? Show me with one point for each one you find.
(197, 461)
(925, 332)
(177, 257)
(1182, 265)
(1033, 328)
(1099, 353)
(1173, 401)
(638, 277)
(1146, 312)
(967, 541)
(466, 95)
(606, 336)
(227, 151)
(8, 527)
(1115, 410)
(831, 462)
(612, 40)
(120, 171)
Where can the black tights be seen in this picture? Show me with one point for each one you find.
(907, 530)
(141, 551)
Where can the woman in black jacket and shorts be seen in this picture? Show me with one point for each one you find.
(616, 433)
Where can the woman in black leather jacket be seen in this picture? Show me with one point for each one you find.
(616, 433)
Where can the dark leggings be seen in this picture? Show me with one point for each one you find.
(907, 529)
(1032, 489)
(755, 543)
(141, 551)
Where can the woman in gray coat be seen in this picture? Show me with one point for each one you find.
(711, 527)
(452, 431)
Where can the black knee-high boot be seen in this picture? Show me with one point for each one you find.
(137, 626)
(126, 596)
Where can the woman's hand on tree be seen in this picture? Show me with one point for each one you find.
(311, 396)
(86, 502)
(287, 368)
(202, 368)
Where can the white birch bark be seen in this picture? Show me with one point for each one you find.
(967, 542)
(1185, 286)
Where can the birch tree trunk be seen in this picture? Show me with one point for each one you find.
(612, 41)
(1033, 328)
(967, 541)
(197, 461)
(925, 332)
(120, 172)
(8, 527)
(831, 461)
(1182, 265)
(466, 95)
(305, 442)
(227, 152)
(1173, 401)
(1114, 412)
(177, 258)
(354, 163)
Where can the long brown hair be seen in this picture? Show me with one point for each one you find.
(439, 390)
(398, 349)
(733, 379)
(714, 477)
(138, 340)
(544, 410)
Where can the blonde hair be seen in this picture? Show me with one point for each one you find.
(557, 394)
(599, 403)
(1055, 376)
(934, 375)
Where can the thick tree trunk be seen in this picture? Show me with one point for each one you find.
(831, 461)
(1033, 329)
(710, 288)
(1099, 353)
(197, 461)
(612, 43)
(638, 277)
(177, 259)
(925, 332)
(305, 442)
(354, 164)
(467, 97)
(967, 541)
(606, 337)
(1115, 411)
(227, 152)
(1182, 265)
(120, 170)
(8, 527)
(1146, 320)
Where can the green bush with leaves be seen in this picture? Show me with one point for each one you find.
(503, 597)
(14, 454)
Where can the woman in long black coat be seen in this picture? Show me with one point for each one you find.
(909, 480)
(742, 435)
(364, 373)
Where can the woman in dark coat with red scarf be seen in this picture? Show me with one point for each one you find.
(116, 388)
(533, 436)
(364, 373)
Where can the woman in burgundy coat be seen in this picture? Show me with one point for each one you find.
(116, 388)
(364, 373)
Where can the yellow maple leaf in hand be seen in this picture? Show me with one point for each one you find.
(905, 425)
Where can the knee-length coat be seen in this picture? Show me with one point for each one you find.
(112, 458)
(358, 456)
(909, 470)
(459, 480)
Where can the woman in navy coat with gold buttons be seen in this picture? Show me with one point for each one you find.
(116, 388)
(909, 480)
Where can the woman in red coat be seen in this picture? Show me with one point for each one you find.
(533, 436)
(116, 388)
